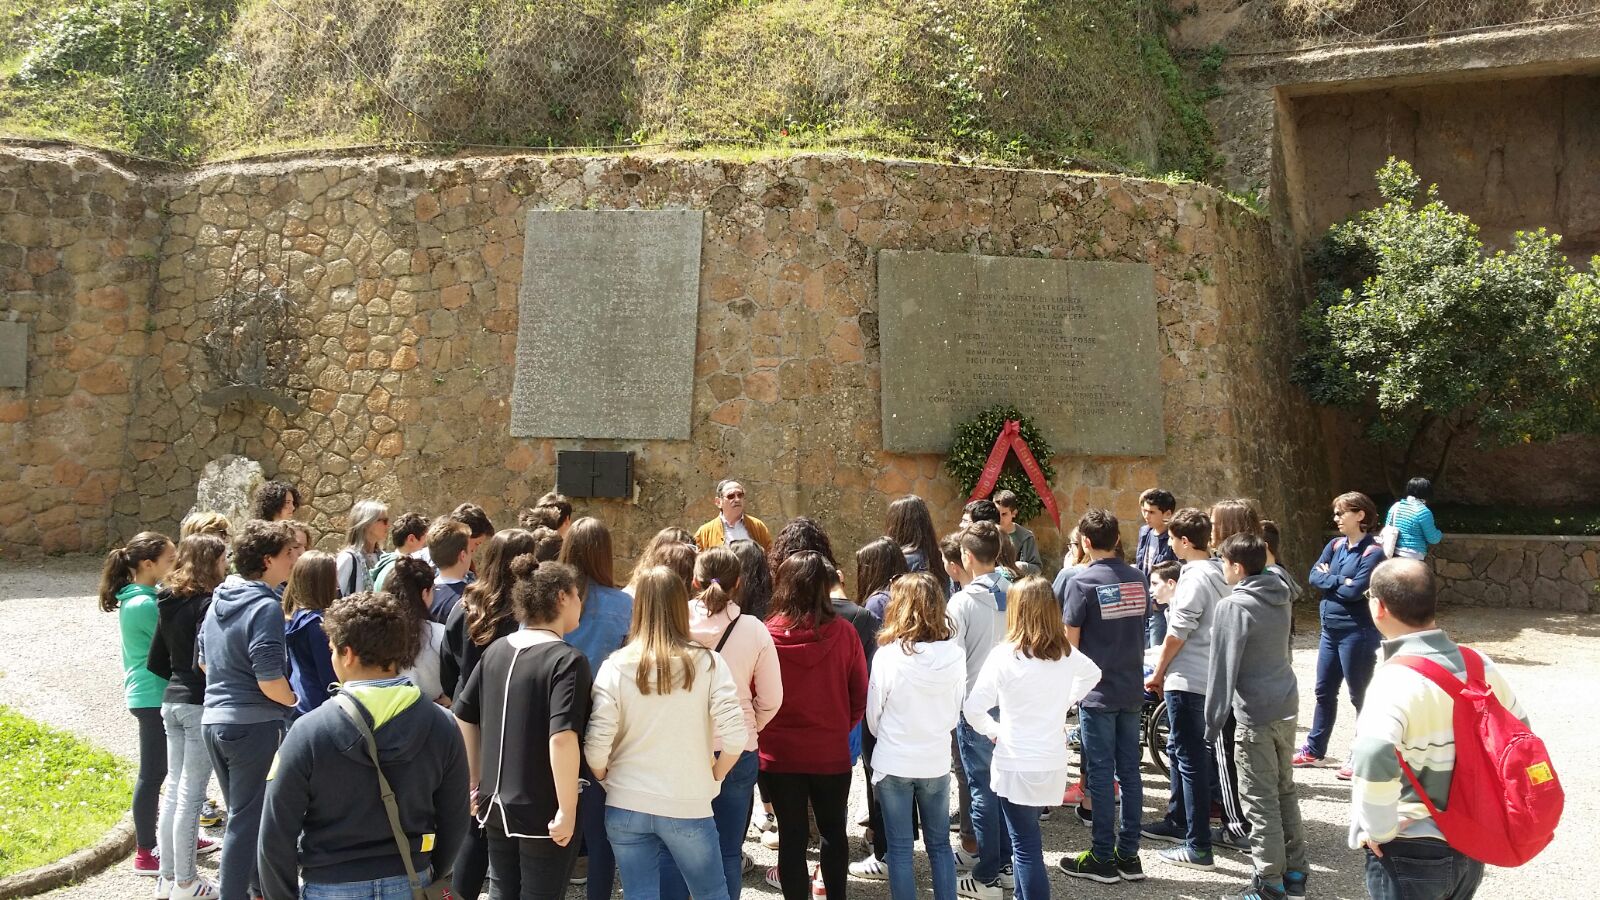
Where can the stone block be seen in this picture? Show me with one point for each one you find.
(13, 354)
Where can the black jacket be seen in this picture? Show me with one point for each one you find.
(324, 817)
(172, 648)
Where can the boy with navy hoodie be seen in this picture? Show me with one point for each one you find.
(247, 698)
(325, 819)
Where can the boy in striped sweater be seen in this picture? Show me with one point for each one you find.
(1406, 854)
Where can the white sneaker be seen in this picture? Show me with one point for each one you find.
(871, 869)
(769, 839)
(201, 889)
(1008, 878)
(964, 860)
(968, 886)
(163, 888)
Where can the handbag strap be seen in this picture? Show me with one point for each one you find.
(353, 710)
(727, 632)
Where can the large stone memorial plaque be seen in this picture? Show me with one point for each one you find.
(1071, 344)
(606, 328)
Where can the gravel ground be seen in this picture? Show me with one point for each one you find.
(61, 666)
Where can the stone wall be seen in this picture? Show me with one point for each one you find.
(404, 275)
(1519, 571)
(79, 239)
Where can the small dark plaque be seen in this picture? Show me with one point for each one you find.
(594, 473)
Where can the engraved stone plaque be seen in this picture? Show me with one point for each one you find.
(606, 327)
(1071, 344)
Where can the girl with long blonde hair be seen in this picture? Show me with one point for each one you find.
(660, 703)
(1033, 678)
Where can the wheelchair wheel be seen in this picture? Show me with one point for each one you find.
(1155, 736)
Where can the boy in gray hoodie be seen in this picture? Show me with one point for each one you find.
(1251, 671)
(248, 699)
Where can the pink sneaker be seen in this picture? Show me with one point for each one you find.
(204, 846)
(1346, 773)
(1073, 796)
(146, 862)
(1302, 758)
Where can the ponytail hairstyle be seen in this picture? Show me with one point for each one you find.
(659, 633)
(313, 583)
(410, 580)
(122, 565)
(717, 571)
(488, 600)
(200, 566)
(536, 597)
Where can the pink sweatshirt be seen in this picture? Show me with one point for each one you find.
(750, 655)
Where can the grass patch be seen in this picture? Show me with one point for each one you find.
(58, 794)
(1572, 520)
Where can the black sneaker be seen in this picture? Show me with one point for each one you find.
(1257, 890)
(1294, 883)
(1085, 816)
(1164, 831)
(1224, 837)
(1128, 867)
(1087, 865)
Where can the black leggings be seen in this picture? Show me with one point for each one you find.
(152, 771)
(472, 864)
(829, 797)
(528, 868)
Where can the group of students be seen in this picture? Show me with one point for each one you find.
(525, 708)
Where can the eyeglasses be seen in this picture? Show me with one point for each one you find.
(1340, 513)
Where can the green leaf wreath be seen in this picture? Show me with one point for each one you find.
(970, 450)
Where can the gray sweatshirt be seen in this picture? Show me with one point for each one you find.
(1251, 670)
(1189, 616)
(978, 612)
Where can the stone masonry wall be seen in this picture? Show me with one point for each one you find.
(404, 275)
(79, 237)
(1519, 571)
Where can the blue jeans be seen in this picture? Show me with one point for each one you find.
(1194, 771)
(394, 887)
(1421, 869)
(242, 755)
(188, 770)
(592, 824)
(994, 844)
(1347, 653)
(731, 811)
(931, 797)
(1111, 753)
(1027, 851)
(638, 840)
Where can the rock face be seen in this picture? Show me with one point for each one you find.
(227, 485)
(1519, 571)
(402, 277)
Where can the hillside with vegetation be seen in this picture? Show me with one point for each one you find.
(1090, 83)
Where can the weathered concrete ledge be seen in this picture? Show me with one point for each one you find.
(114, 845)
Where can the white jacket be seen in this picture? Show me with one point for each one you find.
(1034, 696)
(913, 701)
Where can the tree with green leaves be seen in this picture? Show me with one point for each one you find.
(1431, 340)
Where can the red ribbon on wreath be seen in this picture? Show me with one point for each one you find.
(1010, 440)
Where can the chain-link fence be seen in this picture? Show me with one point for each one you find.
(1038, 82)
(1296, 24)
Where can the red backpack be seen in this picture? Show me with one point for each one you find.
(1505, 799)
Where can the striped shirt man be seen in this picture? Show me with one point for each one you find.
(1405, 711)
